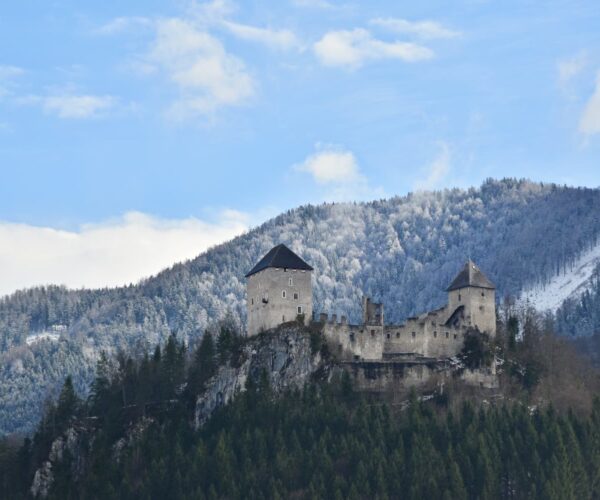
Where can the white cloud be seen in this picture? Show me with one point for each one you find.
(353, 48)
(116, 252)
(71, 106)
(331, 165)
(421, 29)
(313, 4)
(436, 172)
(121, 24)
(589, 124)
(336, 172)
(7, 74)
(206, 75)
(569, 68)
(278, 39)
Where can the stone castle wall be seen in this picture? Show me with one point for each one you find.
(375, 342)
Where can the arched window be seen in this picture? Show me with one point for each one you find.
(283, 294)
(291, 281)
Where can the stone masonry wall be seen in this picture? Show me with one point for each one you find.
(284, 290)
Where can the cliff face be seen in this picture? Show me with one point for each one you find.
(284, 355)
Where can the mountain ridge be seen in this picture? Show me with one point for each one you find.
(403, 251)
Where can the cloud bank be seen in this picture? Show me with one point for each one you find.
(116, 252)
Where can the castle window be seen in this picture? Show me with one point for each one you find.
(447, 334)
(414, 334)
(435, 334)
(483, 294)
(397, 335)
(352, 337)
(266, 298)
(283, 294)
(299, 309)
(388, 335)
(283, 319)
(459, 297)
(481, 308)
(455, 336)
(291, 282)
(372, 333)
(296, 295)
(252, 301)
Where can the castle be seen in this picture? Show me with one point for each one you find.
(279, 289)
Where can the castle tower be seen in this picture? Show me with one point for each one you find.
(472, 296)
(279, 288)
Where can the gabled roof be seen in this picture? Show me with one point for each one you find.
(470, 275)
(280, 256)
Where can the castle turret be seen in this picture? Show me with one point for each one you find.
(472, 298)
(279, 288)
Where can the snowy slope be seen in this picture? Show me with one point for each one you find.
(569, 284)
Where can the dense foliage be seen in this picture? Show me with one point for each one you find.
(133, 439)
(402, 251)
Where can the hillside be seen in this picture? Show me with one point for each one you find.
(277, 416)
(402, 251)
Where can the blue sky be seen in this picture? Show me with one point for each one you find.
(198, 119)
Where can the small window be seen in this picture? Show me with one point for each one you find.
(296, 295)
(252, 301)
(483, 294)
(283, 319)
(414, 334)
(455, 336)
(372, 333)
(435, 335)
(397, 335)
(388, 335)
(459, 297)
(291, 281)
(352, 337)
(447, 334)
(299, 309)
(283, 294)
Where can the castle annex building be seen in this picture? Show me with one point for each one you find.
(280, 288)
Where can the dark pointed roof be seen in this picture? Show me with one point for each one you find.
(280, 256)
(470, 275)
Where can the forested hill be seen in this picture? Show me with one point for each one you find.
(402, 251)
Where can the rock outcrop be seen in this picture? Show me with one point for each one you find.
(285, 355)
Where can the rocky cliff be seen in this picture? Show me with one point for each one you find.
(288, 356)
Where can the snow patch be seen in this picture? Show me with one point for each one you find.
(569, 284)
(37, 337)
